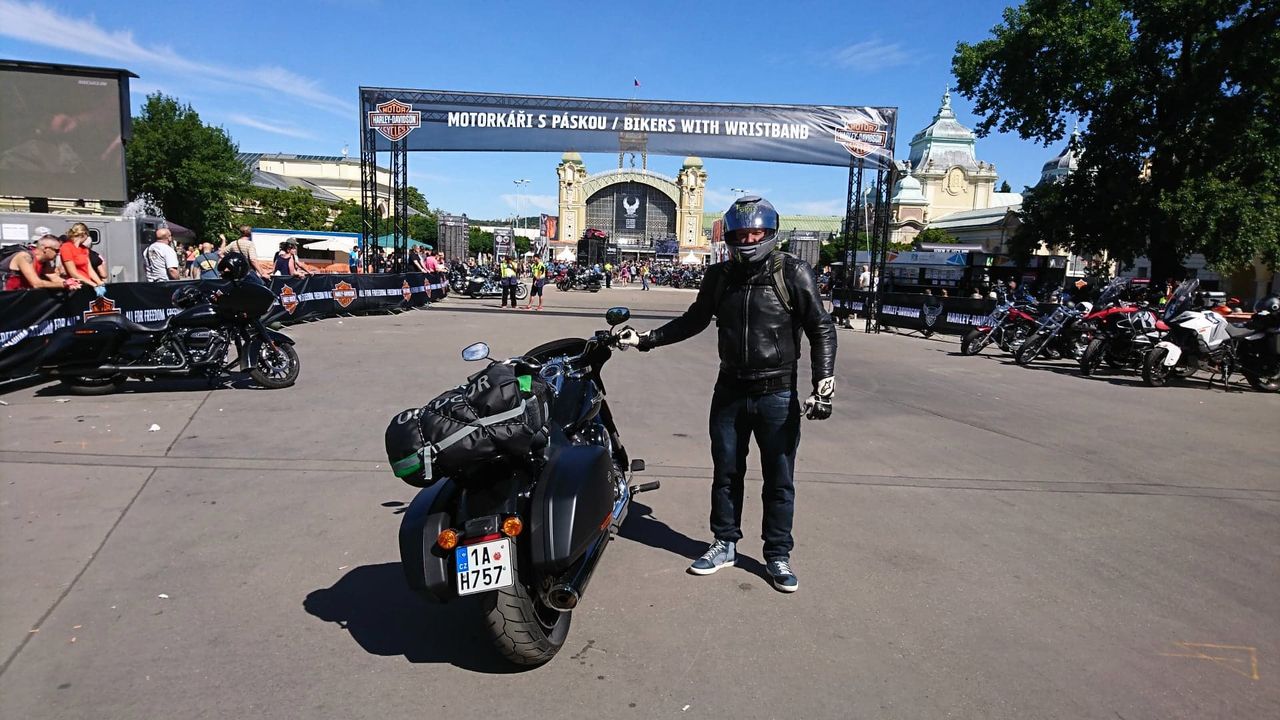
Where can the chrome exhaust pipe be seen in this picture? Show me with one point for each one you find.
(562, 597)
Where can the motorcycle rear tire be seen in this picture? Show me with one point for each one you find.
(1154, 371)
(93, 385)
(518, 625)
(1261, 384)
(522, 291)
(274, 382)
(1092, 356)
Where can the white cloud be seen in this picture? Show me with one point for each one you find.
(549, 204)
(718, 200)
(271, 126)
(871, 55)
(35, 23)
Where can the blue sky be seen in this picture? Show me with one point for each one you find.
(283, 76)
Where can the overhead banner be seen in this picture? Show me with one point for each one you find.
(806, 134)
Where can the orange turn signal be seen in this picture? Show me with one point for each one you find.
(512, 526)
(447, 539)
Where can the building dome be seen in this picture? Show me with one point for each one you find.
(944, 143)
(693, 161)
(1065, 163)
(571, 157)
(908, 191)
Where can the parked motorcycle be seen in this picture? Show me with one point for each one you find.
(525, 532)
(1120, 333)
(96, 358)
(1201, 339)
(1007, 327)
(484, 284)
(588, 280)
(1057, 335)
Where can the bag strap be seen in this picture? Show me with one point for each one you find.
(422, 459)
(779, 262)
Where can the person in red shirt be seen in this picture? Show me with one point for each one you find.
(75, 256)
(33, 268)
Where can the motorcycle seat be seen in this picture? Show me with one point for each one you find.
(1236, 331)
(135, 327)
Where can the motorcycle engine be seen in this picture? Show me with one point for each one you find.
(205, 345)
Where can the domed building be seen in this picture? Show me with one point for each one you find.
(636, 207)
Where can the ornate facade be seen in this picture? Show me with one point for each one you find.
(635, 207)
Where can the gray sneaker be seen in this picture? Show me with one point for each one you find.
(782, 577)
(719, 554)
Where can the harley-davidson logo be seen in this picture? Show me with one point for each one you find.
(930, 312)
(344, 294)
(406, 291)
(99, 307)
(288, 299)
(861, 138)
(394, 119)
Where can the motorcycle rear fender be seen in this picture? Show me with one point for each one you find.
(1174, 353)
(88, 344)
(571, 507)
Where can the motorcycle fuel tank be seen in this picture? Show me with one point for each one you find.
(198, 316)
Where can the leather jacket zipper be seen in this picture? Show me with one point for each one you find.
(746, 328)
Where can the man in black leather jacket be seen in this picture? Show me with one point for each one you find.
(762, 300)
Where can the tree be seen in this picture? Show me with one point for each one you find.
(1004, 187)
(349, 217)
(188, 167)
(292, 209)
(424, 228)
(479, 241)
(1182, 148)
(935, 235)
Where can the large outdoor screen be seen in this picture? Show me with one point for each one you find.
(61, 135)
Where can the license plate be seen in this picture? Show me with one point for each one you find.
(483, 566)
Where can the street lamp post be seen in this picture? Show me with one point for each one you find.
(519, 183)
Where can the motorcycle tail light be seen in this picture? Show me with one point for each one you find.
(512, 526)
(447, 539)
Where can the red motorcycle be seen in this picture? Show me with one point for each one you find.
(1120, 332)
(1007, 327)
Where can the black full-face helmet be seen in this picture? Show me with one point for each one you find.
(233, 266)
(187, 296)
(750, 212)
(1269, 304)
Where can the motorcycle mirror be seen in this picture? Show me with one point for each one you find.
(617, 315)
(475, 351)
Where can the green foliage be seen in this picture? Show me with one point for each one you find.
(1182, 148)
(479, 242)
(1004, 187)
(292, 209)
(424, 228)
(935, 235)
(349, 218)
(189, 168)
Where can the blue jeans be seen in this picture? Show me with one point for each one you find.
(774, 419)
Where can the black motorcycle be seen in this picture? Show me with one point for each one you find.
(95, 358)
(485, 284)
(522, 531)
(588, 280)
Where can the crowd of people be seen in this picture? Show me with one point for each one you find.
(53, 262)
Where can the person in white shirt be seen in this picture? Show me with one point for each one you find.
(160, 259)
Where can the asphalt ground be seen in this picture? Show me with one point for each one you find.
(974, 540)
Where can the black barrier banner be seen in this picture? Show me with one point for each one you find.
(951, 316)
(27, 317)
(807, 134)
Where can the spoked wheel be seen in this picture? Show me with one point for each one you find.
(1154, 372)
(1092, 356)
(276, 365)
(93, 385)
(1030, 350)
(523, 629)
(522, 291)
(975, 341)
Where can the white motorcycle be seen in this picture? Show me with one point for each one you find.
(1204, 340)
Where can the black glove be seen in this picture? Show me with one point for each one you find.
(818, 405)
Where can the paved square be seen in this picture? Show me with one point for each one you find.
(974, 540)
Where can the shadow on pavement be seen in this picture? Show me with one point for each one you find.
(385, 617)
(643, 528)
(239, 381)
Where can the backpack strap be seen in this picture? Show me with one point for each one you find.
(779, 262)
(422, 459)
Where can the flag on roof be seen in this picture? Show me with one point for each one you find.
(636, 81)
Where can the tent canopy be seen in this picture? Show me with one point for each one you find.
(332, 245)
(691, 259)
(566, 255)
(389, 241)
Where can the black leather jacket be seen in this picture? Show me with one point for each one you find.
(757, 338)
